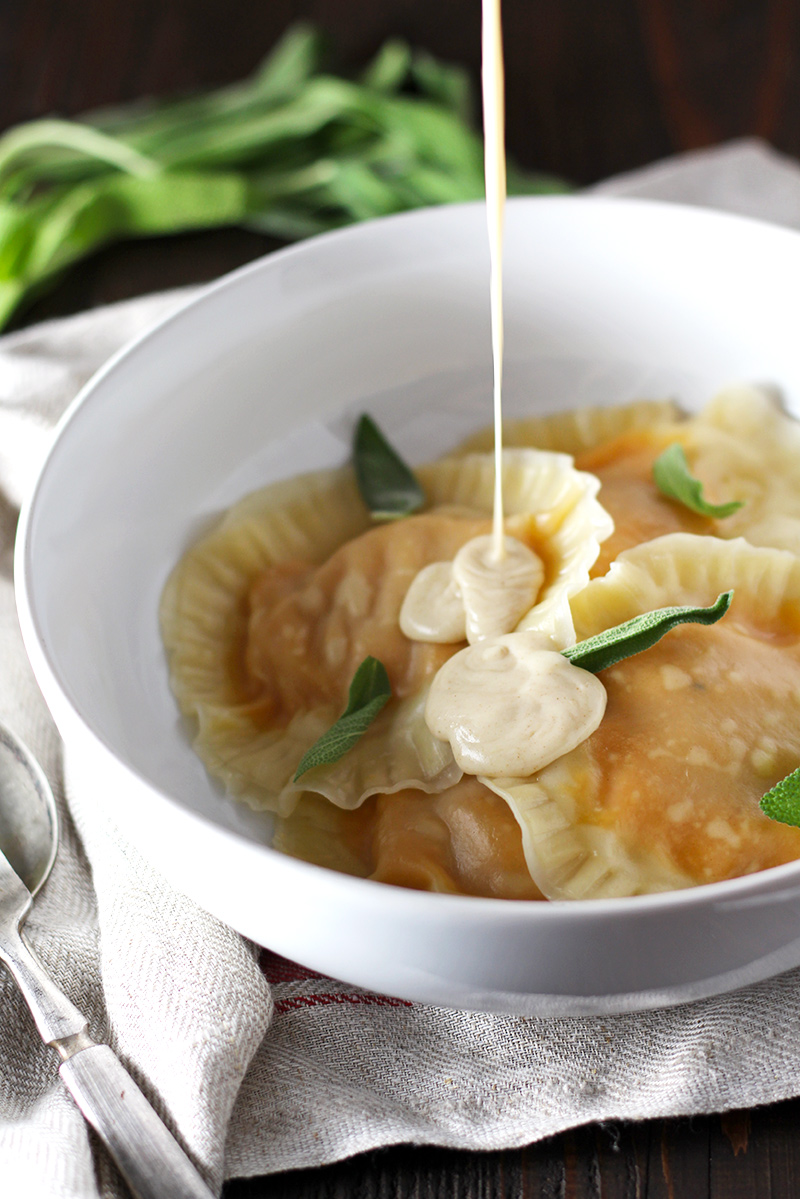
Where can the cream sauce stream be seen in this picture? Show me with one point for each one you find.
(506, 705)
(492, 78)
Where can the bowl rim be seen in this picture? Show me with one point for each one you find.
(732, 891)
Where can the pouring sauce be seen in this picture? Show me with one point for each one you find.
(494, 163)
(498, 579)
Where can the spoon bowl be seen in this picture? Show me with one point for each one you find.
(147, 1154)
(28, 816)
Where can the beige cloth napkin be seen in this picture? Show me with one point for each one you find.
(257, 1064)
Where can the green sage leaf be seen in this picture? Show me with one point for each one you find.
(634, 636)
(675, 480)
(444, 83)
(782, 802)
(387, 486)
(84, 218)
(293, 61)
(388, 70)
(35, 136)
(370, 691)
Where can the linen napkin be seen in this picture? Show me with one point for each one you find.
(257, 1064)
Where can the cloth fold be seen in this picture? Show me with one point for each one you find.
(257, 1064)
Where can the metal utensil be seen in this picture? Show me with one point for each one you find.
(150, 1159)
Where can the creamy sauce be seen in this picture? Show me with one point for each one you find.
(496, 593)
(476, 596)
(495, 580)
(509, 707)
(492, 77)
(436, 590)
(433, 609)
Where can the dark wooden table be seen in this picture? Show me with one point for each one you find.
(593, 87)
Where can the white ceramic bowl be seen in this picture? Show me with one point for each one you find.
(605, 301)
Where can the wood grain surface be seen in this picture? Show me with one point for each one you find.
(593, 87)
(740, 1155)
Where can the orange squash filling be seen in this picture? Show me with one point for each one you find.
(640, 512)
(463, 841)
(696, 730)
(310, 627)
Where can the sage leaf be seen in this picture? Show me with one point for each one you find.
(389, 68)
(448, 85)
(36, 136)
(674, 479)
(11, 293)
(370, 691)
(624, 640)
(293, 61)
(387, 486)
(782, 802)
(83, 218)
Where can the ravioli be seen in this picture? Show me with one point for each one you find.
(665, 793)
(746, 447)
(462, 841)
(742, 446)
(267, 618)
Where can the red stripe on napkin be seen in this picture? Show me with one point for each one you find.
(357, 998)
(280, 972)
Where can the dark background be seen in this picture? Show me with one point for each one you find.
(593, 87)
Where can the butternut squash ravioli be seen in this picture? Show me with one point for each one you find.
(266, 619)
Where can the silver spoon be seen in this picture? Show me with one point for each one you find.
(149, 1157)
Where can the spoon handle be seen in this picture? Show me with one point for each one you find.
(55, 1016)
(150, 1159)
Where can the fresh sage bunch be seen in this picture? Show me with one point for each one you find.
(370, 691)
(388, 487)
(674, 480)
(636, 635)
(290, 151)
